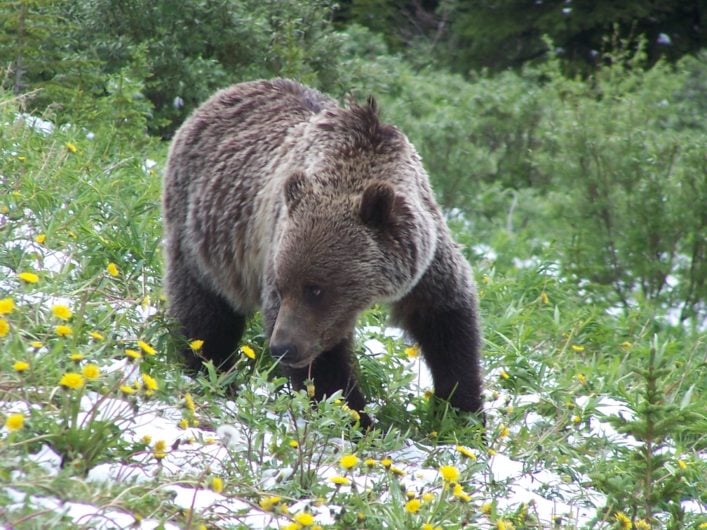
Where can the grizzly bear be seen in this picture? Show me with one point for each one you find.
(276, 198)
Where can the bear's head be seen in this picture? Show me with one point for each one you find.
(337, 254)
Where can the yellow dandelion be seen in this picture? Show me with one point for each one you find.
(491, 452)
(147, 439)
(76, 357)
(578, 348)
(504, 375)
(386, 462)
(582, 379)
(4, 327)
(642, 524)
(28, 277)
(412, 352)
(145, 347)
(196, 345)
(248, 351)
(127, 390)
(71, 148)
(430, 526)
(428, 497)
(623, 520)
(20, 366)
(410, 494)
(292, 526)
(465, 451)
(159, 451)
(95, 335)
(71, 380)
(36, 344)
(7, 306)
(396, 471)
(293, 443)
(62, 312)
(91, 371)
(339, 480)
(14, 422)
(682, 465)
(183, 423)
(304, 518)
(268, 503)
(413, 505)
(150, 384)
(189, 402)
(370, 462)
(216, 484)
(504, 525)
(449, 473)
(40, 239)
(576, 419)
(544, 298)
(63, 330)
(486, 508)
(112, 269)
(460, 494)
(133, 354)
(626, 345)
(194, 422)
(348, 461)
(504, 431)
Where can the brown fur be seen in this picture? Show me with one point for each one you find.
(275, 198)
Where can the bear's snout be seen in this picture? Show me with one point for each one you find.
(287, 354)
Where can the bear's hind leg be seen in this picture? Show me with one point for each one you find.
(203, 315)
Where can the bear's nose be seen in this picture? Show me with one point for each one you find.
(285, 353)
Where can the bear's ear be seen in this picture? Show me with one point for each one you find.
(296, 186)
(377, 204)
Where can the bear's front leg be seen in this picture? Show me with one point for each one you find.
(441, 314)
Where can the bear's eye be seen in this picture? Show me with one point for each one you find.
(313, 294)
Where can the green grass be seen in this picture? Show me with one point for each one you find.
(70, 206)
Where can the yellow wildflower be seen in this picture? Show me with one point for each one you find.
(7, 306)
(63, 330)
(196, 345)
(71, 148)
(36, 344)
(642, 524)
(14, 422)
(76, 357)
(62, 312)
(460, 494)
(20, 366)
(127, 390)
(4, 327)
(293, 443)
(576, 419)
(430, 526)
(504, 525)
(28, 277)
(248, 351)
(339, 480)
(311, 390)
(544, 298)
(348, 461)
(504, 375)
(112, 269)
(150, 384)
(465, 451)
(71, 380)
(159, 451)
(147, 439)
(304, 518)
(412, 352)
(268, 503)
(189, 402)
(95, 335)
(413, 505)
(486, 508)
(183, 423)
(582, 379)
(428, 497)
(396, 471)
(133, 354)
(40, 239)
(386, 462)
(217, 484)
(292, 526)
(504, 431)
(626, 345)
(682, 465)
(623, 520)
(449, 473)
(145, 347)
(491, 452)
(370, 462)
(578, 348)
(91, 371)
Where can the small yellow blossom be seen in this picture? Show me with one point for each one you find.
(150, 384)
(642, 524)
(430, 526)
(682, 465)
(292, 526)
(504, 431)
(95, 335)
(486, 508)
(63, 330)
(72, 380)
(127, 390)
(147, 439)
(4, 327)
(578, 348)
(7, 306)
(28, 277)
(626, 345)
(339, 480)
(145, 347)
(217, 484)
(71, 148)
(504, 525)
(465, 451)
(112, 269)
(183, 423)
(311, 390)
(491, 452)
(428, 497)
(396, 471)
(14, 422)
(196, 345)
(460, 494)
(20, 366)
(413, 505)
(544, 298)
(36, 344)
(623, 520)
(412, 352)
(576, 419)
(449, 473)
(189, 402)
(304, 518)
(62, 312)
(370, 462)
(268, 503)
(293, 443)
(386, 462)
(348, 461)
(40, 239)
(133, 354)
(159, 451)
(504, 375)
(76, 357)
(248, 351)
(91, 371)
(582, 379)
